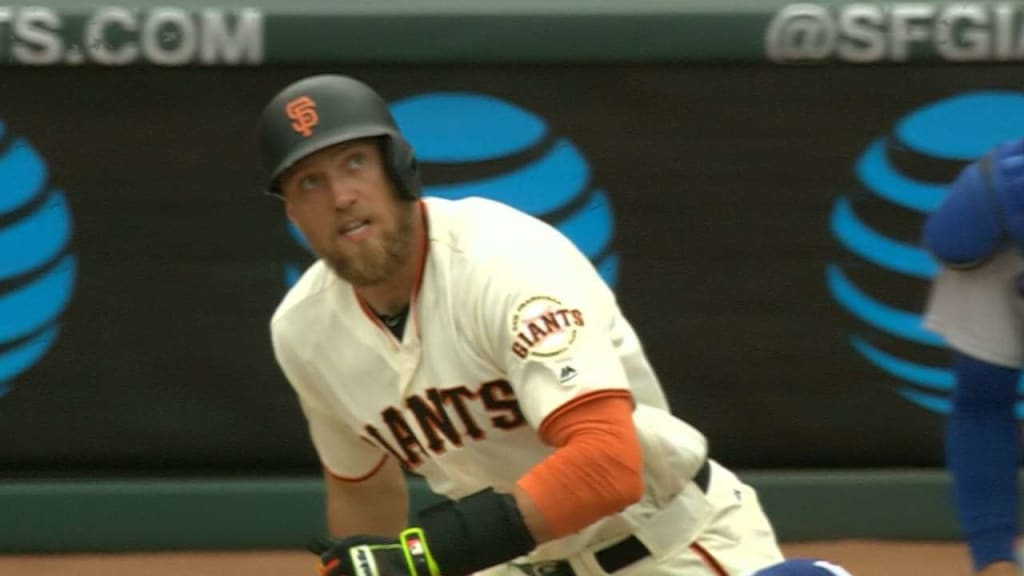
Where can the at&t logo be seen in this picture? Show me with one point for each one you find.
(903, 176)
(37, 270)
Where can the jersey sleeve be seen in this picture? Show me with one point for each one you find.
(341, 450)
(980, 311)
(549, 321)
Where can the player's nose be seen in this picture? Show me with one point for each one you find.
(343, 192)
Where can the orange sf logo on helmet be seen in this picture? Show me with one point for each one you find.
(302, 111)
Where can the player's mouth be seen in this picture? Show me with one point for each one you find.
(355, 230)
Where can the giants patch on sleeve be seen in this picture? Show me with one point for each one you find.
(543, 327)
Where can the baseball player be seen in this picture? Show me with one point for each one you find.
(976, 304)
(475, 346)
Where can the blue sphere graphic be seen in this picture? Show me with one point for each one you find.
(487, 147)
(37, 270)
(953, 131)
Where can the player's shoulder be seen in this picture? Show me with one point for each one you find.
(478, 226)
(305, 292)
(467, 212)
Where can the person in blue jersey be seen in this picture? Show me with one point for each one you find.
(976, 303)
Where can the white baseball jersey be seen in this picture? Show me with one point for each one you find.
(509, 322)
(981, 311)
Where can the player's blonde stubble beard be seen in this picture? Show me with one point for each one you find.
(374, 263)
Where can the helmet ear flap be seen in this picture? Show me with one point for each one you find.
(401, 161)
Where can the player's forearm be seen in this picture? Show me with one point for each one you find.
(378, 505)
(383, 519)
(1000, 569)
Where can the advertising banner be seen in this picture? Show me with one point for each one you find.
(759, 225)
(185, 33)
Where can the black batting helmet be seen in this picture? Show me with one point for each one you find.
(320, 111)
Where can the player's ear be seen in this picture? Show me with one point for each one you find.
(288, 207)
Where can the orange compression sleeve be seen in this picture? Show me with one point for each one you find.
(597, 469)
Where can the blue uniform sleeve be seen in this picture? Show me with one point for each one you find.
(983, 454)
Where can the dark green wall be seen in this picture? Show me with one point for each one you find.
(97, 516)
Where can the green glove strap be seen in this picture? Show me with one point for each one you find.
(417, 553)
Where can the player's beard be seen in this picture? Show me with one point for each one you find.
(375, 262)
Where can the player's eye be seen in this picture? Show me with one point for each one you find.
(356, 160)
(309, 182)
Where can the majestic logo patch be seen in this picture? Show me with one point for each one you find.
(302, 111)
(542, 326)
(567, 373)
